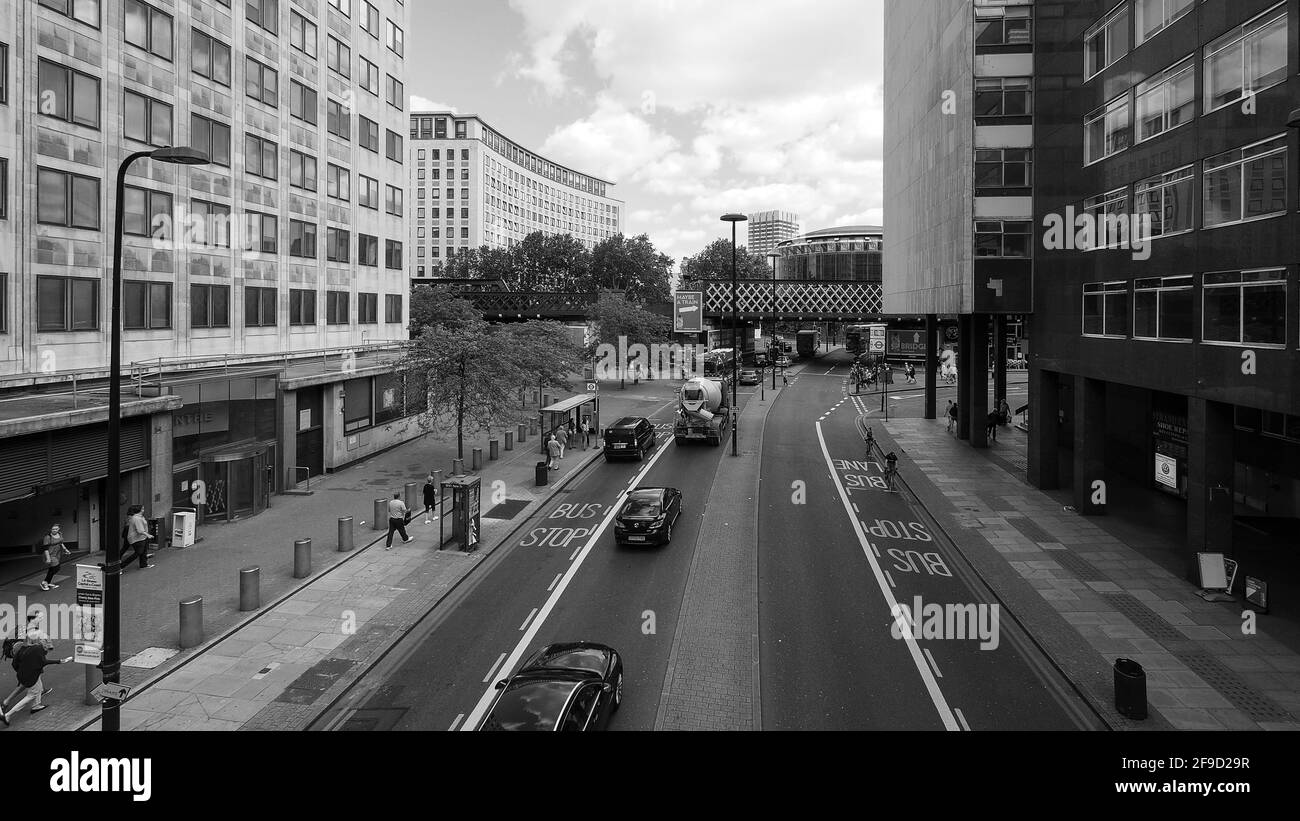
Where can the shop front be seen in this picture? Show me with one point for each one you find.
(1169, 446)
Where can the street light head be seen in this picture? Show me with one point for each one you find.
(180, 155)
(734, 218)
(1294, 120)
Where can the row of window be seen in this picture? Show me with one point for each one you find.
(72, 304)
(436, 154)
(1238, 308)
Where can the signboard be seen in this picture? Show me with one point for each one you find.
(89, 647)
(593, 387)
(688, 312)
(206, 417)
(1167, 470)
(112, 690)
(1257, 593)
(906, 343)
(877, 342)
(1214, 573)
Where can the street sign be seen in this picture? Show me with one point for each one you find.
(115, 691)
(593, 387)
(688, 312)
(89, 649)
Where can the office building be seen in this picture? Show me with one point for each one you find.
(768, 229)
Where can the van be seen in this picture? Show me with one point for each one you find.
(632, 436)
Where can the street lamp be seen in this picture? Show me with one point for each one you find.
(735, 349)
(771, 349)
(110, 663)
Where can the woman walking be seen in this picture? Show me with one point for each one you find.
(55, 552)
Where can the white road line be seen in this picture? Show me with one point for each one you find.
(576, 551)
(933, 663)
(493, 669)
(555, 581)
(530, 618)
(855, 508)
(452, 728)
(931, 685)
(890, 579)
(875, 549)
(485, 701)
(962, 719)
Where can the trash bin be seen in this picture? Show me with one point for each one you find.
(541, 475)
(1130, 689)
(159, 535)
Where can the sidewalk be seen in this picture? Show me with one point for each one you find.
(1089, 597)
(273, 668)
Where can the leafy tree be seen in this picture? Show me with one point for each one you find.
(714, 262)
(550, 263)
(439, 306)
(633, 266)
(544, 352)
(615, 316)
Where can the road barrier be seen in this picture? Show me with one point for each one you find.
(250, 588)
(191, 621)
(380, 522)
(301, 558)
(457, 467)
(510, 440)
(477, 458)
(494, 449)
(410, 495)
(345, 534)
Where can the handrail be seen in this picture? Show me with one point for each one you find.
(293, 474)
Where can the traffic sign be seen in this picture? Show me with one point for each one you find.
(593, 387)
(115, 691)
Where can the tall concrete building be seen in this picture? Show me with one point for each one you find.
(768, 229)
(252, 284)
(959, 161)
(474, 186)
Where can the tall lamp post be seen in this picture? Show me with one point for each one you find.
(771, 347)
(110, 663)
(735, 348)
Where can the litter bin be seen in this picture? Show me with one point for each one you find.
(159, 535)
(1130, 689)
(541, 474)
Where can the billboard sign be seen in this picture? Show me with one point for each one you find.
(688, 312)
(906, 343)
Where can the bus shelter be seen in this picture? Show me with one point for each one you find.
(556, 419)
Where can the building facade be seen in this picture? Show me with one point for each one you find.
(1166, 356)
(768, 229)
(473, 186)
(287, 246)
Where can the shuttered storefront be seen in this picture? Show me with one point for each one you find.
(55, 456)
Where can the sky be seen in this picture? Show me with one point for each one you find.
(694, 108)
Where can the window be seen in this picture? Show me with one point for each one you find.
(357, 404)
(1168, 199)
(261, 82)
(392, 308)
(460, 135)
(1002, 239)
(4, 189)
(464, 233)
(209, 306)
(302, 34)
(464, 213)
(396, 94)
(393, 200)
(437, 173)
(367, 250)
(146, 119)
(1107, 41)
(393, 255)
(1155, 15)
(338, 57)
(264, 13)
(1280, 425)
(142, 209)
(1002, 168)
(66, 94)
(439, 131)
(1107, 131)
(302, 306)
(209, 57)
(395, 39)
(344, 6)
(212, 138)
(337, 182)
(149, 28)
(4, 79)
(393, 146)
(212, 222)
(85, 11)
(1167, 100)
(302, 102)
(146, 305)
(368, 192)
(464, 193)
(1245, 183)
(464, 155)
(1105, 309)
(1245, 307)
(338, 120)
(1003, 25)
(302, 170)
(369, 19)
(1002, 96)
(336, 307)
(1109, 213)
(260, 157)
(70, 200)
(367, 309)
(368, 75)
(338, 245)
(464, 173)
(259, 307)
(368, 134)
(262, 232)
(451, 193)
(67, 304)
(1246, 60)
(302, 239)
(1162, 308)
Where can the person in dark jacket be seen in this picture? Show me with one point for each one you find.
(430, 496)
(991, 425)
(29, 663)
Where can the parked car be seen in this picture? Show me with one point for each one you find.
(630, 436)
(749, 376)
(783, 362)
(571, 687)
(648, 516)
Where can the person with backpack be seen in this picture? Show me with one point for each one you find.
(55, 551)
(29, 663)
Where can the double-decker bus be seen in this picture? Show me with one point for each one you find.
(718, 363)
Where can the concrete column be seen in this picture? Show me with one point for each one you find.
(963, 356)
(160, 462)
(999, 359)
(931, 369)
(1089, 444)
(1210, 476)
(1044, 429)
(286, 452)
(972, 379)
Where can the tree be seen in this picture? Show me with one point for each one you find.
(544, 352)
(614, 316)
(550, 263)
(439, 306)
(714, 262)
(633, 266)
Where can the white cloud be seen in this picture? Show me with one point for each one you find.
(419, 103)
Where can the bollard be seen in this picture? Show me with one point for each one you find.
(522, 435)
(191, 622)
(532, 426)
(494, 449)
(457, 467)
(92, 681)
(411, 495)
(250, 588)
(345, 534)
(301, 558)
(477, 458)
(1130, 689)
(380, 521)
(510, 440)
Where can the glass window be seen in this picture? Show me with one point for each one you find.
(1105, 309)
(302, 306)
(1008, 238)
(209, 57)
(1246, 60)
(67, 304)
(302, 34)
(338, 57)
(302, 170)
(146, 305)
(302, 239)
(336, 308)
(1155, 15)
(85, 11)
(1167, 100)
(259, 307)
(262, 83)
(210, 306)
(1003, 25)
(302, 102)
(338, 245)
(145, 212)
(146, 119)
(1245, 307)
(1109, 213)
(212, 138)
(1003, 167)
(1108, 130)
(67, 94)
(1162, 308)
(261, 157)
(69, 200)
(264, 13)
(1167, 198)
(1245, 183)
(357, 404)
(1107, 41)
(148, 28)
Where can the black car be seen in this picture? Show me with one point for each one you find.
(630, 436)
(563, 688)
(648, 516)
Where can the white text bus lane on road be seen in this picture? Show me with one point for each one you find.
(565, 526)
(862, 489)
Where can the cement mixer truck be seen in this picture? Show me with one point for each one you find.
(703, 411)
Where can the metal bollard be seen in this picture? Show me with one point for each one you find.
(411, 495)
(93, 679)
(345, 534)
(191, 622)
(250, 588)
(522, 436)
(494, 449)
(532, 426)
(301, 558)
(477, 458)
(457, 467)
(510, 440)
(380, 521)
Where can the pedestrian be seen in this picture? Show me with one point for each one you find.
(569, 433)
(560, 437)
(430, 496)
(1004, 410)
(586, 432)
(29, 663)
(991, 425)
(554, 451)
(951, 413)
(398, 516)
(911, 373)
(137, 537)
(54, 551)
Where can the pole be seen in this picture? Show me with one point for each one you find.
(735, 349)
(110, 714)
(772, 342)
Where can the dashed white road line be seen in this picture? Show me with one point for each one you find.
(575, 553)
(496, 664)
(530, 618)
(962, 719)
(890, 579)
(555, 581)
(933, 663)
(452, 728)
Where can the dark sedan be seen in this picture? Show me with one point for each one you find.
(648, 516)
(563, 688)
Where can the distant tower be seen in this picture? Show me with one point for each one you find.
(767, 228)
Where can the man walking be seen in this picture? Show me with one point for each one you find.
(430, 496)
(554, 451)
(951, 414)
(586, 432)
(397, 516)
(991, 425)
(137, 537)
(29, 663)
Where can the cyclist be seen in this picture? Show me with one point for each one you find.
(891, 470)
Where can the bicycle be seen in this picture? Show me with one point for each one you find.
(871, 441)
(891, 470)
